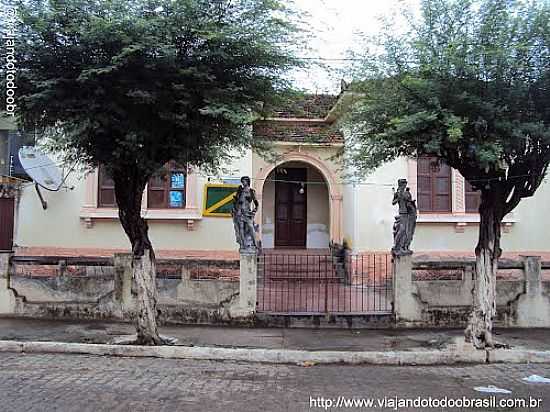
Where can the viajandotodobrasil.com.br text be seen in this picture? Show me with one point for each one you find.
(422, 403)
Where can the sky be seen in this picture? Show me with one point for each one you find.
(334, 25)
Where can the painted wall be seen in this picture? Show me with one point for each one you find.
(318, 214)
(268, 214)
(61, 226)
(375, 216)
(368, 226)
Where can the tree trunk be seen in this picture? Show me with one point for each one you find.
(488, 251)
(129, 192)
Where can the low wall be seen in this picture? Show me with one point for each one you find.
(190, 290)
(439, 292)
(425, 292)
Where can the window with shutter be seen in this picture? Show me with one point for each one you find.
(106, 190)
(434, 185)
(472, 198)
(166, 189)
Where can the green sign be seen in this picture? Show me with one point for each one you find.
(218, 199)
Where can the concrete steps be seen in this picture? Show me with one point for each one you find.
(300, 268)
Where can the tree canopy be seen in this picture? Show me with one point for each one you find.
(469, 82)
(133, 84)
(150, 80)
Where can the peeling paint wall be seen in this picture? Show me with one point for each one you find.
(180, 300)
(523, 301)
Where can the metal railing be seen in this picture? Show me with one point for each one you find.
(324, 283)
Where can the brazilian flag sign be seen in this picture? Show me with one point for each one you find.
(218, 199)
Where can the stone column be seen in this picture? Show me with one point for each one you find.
(7, 297)
(123, 281)
(406, 307)
(248, 284)
(533, 308)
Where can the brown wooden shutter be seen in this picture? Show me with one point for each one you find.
(106, 190)
(434, 185)
(424, 181)
(442, 189)
(472, 198)
(156, 191)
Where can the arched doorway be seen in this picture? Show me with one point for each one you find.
(301, 204)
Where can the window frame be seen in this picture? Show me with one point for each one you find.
(433, 180)
(170, 169)
(102, 187)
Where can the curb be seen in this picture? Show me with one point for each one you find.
(272, 356)
(518, 356)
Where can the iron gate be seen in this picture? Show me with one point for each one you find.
(304, 284)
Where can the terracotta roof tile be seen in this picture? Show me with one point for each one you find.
(310, 106)
(311, 132)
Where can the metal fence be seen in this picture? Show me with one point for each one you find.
(324, 283)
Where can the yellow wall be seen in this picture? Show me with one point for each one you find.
(375, 215)
(61, 226)
(368, 225)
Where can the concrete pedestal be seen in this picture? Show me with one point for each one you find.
(406, 306)
(248, 285)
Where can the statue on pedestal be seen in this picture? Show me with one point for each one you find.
(405, 223)
(245, 206)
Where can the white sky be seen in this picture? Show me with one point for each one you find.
(333, 25)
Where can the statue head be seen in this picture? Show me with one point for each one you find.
(245, 180)
(402, 183)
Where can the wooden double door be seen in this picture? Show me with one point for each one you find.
(6, 223)
(290, 208)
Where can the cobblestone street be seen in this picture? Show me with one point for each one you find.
(87, 383)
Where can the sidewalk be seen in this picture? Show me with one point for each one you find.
(388, 346)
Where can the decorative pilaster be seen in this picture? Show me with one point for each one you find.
(336, 218)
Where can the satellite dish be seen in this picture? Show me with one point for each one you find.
(41, 168)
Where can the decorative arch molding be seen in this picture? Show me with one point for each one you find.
(334, 189)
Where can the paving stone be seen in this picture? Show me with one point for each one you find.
(62, 383)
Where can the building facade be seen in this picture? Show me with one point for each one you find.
(306, 200)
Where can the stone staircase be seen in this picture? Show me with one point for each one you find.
(300, 267)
